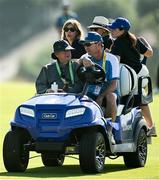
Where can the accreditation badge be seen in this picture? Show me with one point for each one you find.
(97, 90)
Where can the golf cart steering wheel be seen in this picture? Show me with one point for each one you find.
(92, 75)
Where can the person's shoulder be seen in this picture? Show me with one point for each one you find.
(111, 56)
(51, 64)
(120, 43)
(112, 59)
(121, 40)
(58, 19)
(76, 42)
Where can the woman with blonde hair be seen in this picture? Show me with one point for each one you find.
(72, 32)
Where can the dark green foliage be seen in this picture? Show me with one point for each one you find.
(110, 9)
(145, 7)
(21, 19)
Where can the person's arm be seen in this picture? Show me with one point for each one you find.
(149, 51)
(85, 61)
(41, 81)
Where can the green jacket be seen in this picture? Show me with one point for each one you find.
(49, 74)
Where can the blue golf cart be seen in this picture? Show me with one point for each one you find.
(59, 124)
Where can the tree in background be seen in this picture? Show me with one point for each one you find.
(21, 19)
(87, 10)
(145, 7)
(148, 14)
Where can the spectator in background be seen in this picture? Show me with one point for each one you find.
(99, 25)
(62, 71)
(66, 14)
(72, 32)
(128, 49)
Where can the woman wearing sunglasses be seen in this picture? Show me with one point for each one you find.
(72, 32)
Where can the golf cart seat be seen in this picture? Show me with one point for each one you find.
(132, 88)
(144, 72)
(128, 80)
(126, 87)
(143, 94)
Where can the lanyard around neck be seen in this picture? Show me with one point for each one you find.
(70, 71)
(104, 62)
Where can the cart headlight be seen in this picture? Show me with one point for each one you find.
(75, 112)
(27, 111)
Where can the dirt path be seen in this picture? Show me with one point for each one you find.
(9, 64)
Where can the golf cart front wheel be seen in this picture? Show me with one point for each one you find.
(15, 157)
(92, 152)
(138, 158)
(52, 160)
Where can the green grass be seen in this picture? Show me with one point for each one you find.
(13, 94)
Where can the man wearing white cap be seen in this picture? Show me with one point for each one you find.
(99, 25)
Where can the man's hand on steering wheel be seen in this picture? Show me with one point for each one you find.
(86, 62)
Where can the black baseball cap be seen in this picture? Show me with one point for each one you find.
(60, 45)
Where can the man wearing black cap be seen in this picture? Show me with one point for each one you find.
(62, 71)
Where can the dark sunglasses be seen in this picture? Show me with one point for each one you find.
(90, 43)
(69, 29)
